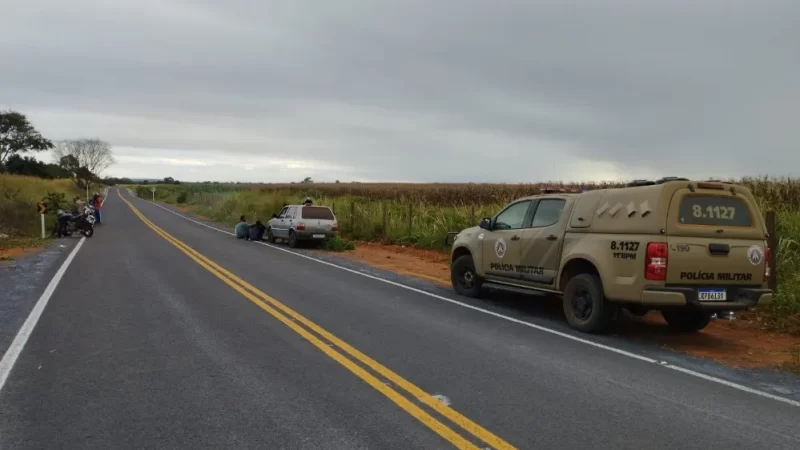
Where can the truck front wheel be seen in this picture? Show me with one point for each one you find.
(686, 320)
(464, 278)
(585, 306)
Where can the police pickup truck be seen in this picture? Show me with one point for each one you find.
(685, 248)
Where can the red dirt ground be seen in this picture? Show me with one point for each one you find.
(12, 249)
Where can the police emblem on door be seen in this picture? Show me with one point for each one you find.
(755, 255)
(500, 248)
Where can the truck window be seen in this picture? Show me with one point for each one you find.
(317, 212)
(715, 211)
(512, 217)
(548, 212)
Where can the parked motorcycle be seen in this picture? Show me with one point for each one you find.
(68, 223)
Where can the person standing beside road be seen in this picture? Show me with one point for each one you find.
(97, 202)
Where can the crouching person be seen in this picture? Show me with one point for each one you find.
(242, 229)
(257, 231)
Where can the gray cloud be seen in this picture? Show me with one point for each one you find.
(449, 90)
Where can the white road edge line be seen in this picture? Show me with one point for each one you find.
(15, 349)
(511, 319)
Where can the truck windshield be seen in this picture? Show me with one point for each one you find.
(714, 211)
(317, 212)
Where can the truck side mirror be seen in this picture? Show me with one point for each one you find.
(486, 223)
(274, 216)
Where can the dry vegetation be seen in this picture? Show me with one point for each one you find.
(18, 198)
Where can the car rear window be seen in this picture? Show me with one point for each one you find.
(317, 212)
(715, 211)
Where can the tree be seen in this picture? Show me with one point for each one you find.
(307, 180)
(81, 175)
(169, 180)
(113, 181)
(19, 165)
(55, 171)
(94, 154)
(17, 135)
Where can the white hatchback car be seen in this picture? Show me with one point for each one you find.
(297, 223)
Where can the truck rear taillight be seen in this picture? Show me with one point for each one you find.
(767, 259)
(335, 227)
(301, 226)
(656, 261)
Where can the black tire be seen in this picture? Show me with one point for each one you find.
(686, 320)
(270, 237)
(464, 278)
(292, 239)
(88, 232)
(585, 306)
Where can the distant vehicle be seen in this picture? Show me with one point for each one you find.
(298, 223)
(686, 248)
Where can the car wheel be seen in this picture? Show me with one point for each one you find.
(270, 236)
(585, 306)
(292, 239)
(686, 320)
(464, 278)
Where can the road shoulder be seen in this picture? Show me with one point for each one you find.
(23, 278)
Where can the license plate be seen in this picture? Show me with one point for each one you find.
(318, 236)
(711, 295)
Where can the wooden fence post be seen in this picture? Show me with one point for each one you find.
(410, 216)
(772, 242)
(385, 221)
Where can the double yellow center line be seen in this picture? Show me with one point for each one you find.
(292, 319)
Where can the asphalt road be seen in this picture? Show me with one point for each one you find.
(146, 343)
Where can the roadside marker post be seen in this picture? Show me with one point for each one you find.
(154, 194)
(42, 209)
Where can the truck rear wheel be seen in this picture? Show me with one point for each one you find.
(464, 278)
(686, 320)
(585, 306)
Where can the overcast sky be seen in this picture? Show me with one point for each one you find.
(413, 90)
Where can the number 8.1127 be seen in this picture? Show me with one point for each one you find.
(714, 212)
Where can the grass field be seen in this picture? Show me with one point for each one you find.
(18, 198)
(422, 214)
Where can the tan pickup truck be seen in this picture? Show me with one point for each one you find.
(685, 248)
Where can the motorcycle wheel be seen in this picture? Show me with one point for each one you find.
(88, 232)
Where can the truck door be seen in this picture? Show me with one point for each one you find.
(540, 252)
(501, 244)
